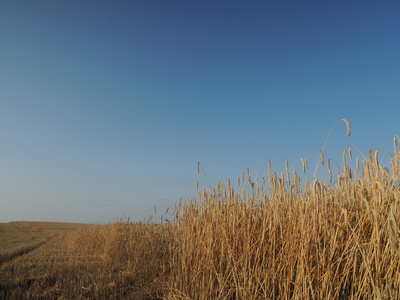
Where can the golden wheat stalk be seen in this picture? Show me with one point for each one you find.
(327, 139)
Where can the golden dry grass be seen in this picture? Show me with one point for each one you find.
(140, 250)
(292, 242)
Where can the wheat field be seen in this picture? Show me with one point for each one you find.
(283, 236)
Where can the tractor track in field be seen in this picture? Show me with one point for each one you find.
(26, 247)
(5, 257)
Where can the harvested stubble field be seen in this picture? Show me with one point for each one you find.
(276, 238)
(31, 256)
(55, 261)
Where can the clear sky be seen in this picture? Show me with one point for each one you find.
(107, 106)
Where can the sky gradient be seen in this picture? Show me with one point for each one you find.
(107, 106)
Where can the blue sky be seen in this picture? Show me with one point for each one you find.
(107, 106)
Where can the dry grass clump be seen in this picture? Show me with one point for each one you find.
(90, 239)
(279, 239)
(137, 251)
